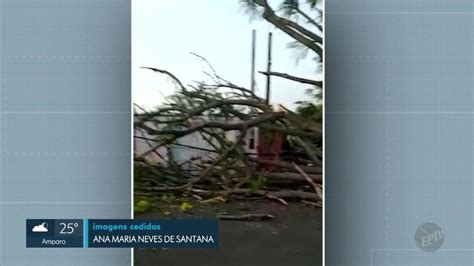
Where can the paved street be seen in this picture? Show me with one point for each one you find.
(293, 238)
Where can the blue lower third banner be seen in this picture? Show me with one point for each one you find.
(122, 233)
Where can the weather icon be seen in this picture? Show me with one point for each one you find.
(42, 228)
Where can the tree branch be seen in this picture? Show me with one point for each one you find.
(202, 109)
(316, 83)
(296, 31)
(214, 124)
(173, 77)
(310, 20)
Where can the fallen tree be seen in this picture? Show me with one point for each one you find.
(225, 117)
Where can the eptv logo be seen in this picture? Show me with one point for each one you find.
(429, 237)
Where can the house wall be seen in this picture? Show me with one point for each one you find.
(182, 154)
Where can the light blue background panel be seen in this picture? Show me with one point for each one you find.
(399, 130)
(65, 101)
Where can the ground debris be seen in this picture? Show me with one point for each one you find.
(246, 217)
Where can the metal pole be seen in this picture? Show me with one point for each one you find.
(252, 74)
(252, 134)
(269, 66)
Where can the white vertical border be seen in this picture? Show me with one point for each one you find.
(132, 131)
(324, 129)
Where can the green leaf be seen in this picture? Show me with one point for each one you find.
(185, 206)
(142, 206)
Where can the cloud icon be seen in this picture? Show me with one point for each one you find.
(42, 228)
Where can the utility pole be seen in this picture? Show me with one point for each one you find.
(269, 66)
(252, 68)
(252, 132)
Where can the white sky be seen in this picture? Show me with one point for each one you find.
(164, 32)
